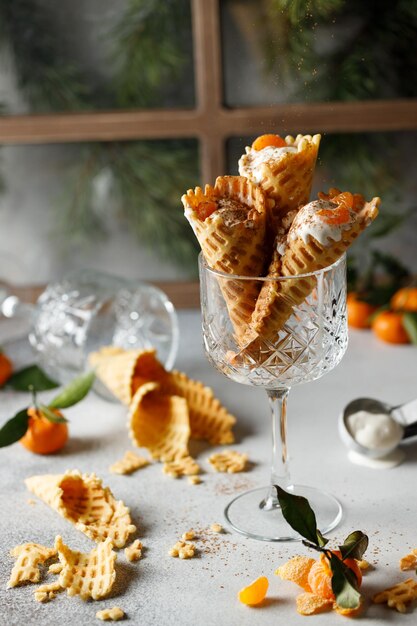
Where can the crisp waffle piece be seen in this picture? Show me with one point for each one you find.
(185, 466)
(277, 299)
(409, 561)
(230, 461)
(116, 368)
(159, 422)
(287, 180)
(232, 239)
(311, 604)
(296, 570)
(134, 551)
(87, 575)
(82, 500)
(398, 596)
(128, 464)
(28, 558)
(46, 593)
(182, 550)
(111, 615)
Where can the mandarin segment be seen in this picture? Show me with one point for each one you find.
(297, 570)
(311, 604)
(264, 141)
(254, 593)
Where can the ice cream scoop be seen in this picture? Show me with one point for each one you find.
(374, 429)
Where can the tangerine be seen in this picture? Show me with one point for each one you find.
(405, 299)
(205, 209)
(265, 141)
(358, 311)
(320, 575)
(6, 368)
(254, 593)
(42, 435)
(388, 326)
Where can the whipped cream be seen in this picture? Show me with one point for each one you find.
(375, 431)
(308, 223)
(250, 164)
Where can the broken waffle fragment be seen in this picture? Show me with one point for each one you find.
(111, 615)
(186, 466)
(128, 464)
(83, 501)
(398, 596)
(87, 575)
(229, 461)
(46, 593)
(134, 551)
(28, 558)
(409, 561)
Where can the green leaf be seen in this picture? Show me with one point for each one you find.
(410, 325)
(300, 516)
(75, 391)
(31, 378)
(14, 429)
(354, 546)
(51, 416)
(344, 584)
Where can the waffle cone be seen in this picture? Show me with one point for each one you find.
(277, 299)
(287, 182)
(115, 367)
(233, 247)
(87, 575)
(82, 500)
(159, 422)
(208, 419)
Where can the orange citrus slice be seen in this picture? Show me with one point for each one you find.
(264, 141)
(254, 593)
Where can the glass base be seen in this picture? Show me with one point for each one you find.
(248, 515)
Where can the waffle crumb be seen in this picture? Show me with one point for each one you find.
(55, 568)
(194, 480)
(217, 528)
(409, 561)
(46, 593)
(134, 551)
(182, 550)
(114, 615)
(190, 534)
(128, 464)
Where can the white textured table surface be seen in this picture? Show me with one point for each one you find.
(162, 591)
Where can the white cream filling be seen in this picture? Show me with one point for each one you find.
(309, 224)
(250, 164)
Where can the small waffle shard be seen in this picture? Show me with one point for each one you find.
(296, 570)
(28, 558)
(128, 464)
(363, 564)
(188, 535)
(87, 575)
(159, 422)
(311, 604)
(409, 561)
(111, 615)
(194, 480)
(217, 528)
(46, 593)
(398, 596)
(185, 466)
(229, 461)
(134, 551)
(182, 550)
(85, 502)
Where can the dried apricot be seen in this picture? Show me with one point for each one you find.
(265, 141)
(254, 593)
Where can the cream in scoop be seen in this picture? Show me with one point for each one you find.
(375, 431)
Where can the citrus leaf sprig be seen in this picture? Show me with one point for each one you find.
(31, 377)
(297, 511)
(15, 428)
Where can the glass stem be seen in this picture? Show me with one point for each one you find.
(279, 471)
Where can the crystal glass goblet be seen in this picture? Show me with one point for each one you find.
(311, 342)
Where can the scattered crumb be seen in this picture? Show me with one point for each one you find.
(46, 593)
(229, 461)
(55, 568)
(134, 551)
(190, 534)
(187, 466)
(217, 528)
(114, 614)
(194, 480)
(128, 464)
(182, 550)
(31, 502)
(409, 561)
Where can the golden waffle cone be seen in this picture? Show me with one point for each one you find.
(87, 575)
(115, 367)
(287, 182)
(82, 500)
(237, 248)
(278, 298)
(159, 422)
(28, 558)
